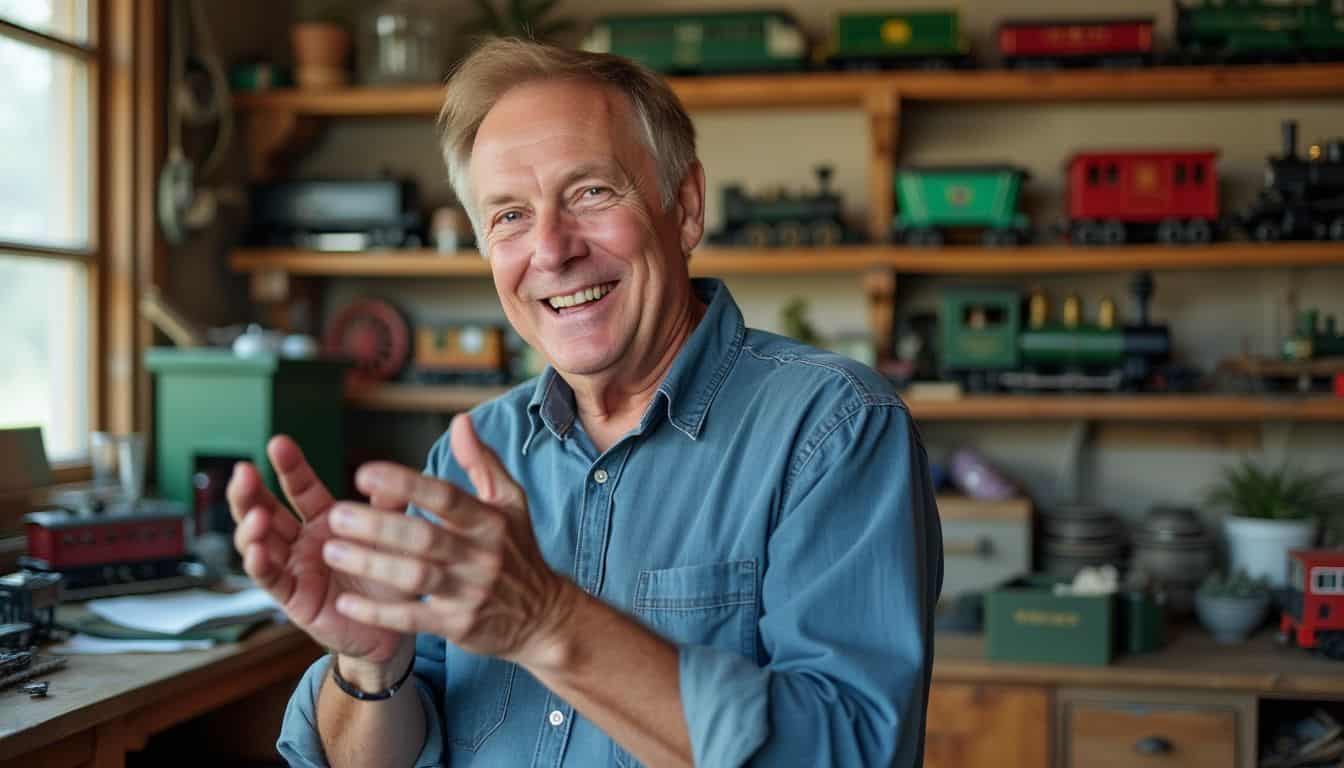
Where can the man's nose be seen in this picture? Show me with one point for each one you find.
(557, 240)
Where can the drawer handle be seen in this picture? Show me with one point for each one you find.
(981, 546)
(1153, 745)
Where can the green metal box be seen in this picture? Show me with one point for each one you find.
(1026, 621)
(212, 406)
(978, 329)
(906, 33)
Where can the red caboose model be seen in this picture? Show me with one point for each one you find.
(1163, 195)
(1080, 42)
(1313, 612)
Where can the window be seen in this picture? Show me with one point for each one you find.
(1180, 173)
(47, 220)
(1327, 581)
(1199, 173)
(1093, 175)
(1112, 174)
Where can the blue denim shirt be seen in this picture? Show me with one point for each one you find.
(771, 515)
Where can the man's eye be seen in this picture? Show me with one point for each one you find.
(508, 217)
(595, 191)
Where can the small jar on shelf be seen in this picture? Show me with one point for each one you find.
(401, 43)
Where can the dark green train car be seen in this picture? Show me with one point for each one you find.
(1258, 30)
(703, 43)
(931, 201)
(987, 344)
(924, 39)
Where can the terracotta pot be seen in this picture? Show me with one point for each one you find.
(320, 51)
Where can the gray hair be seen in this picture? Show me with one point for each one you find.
(484, 76)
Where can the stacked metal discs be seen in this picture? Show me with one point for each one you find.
(1079, 536)
(1175, 551)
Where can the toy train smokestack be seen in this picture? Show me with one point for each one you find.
(1289, 139)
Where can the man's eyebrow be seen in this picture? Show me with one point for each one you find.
(606, 170)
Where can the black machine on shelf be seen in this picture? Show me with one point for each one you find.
(1303, 197)
(337, 214)
(784, 219)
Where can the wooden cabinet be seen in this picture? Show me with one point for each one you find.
(971, 724)
(1133, 729)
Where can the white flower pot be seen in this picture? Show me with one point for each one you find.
(1260, 547)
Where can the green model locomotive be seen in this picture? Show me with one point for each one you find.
(703, 43)
(1259, 30)
(987, 345)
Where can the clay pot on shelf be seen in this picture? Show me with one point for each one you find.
(320, 52)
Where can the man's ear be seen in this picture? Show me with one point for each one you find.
(691, 206)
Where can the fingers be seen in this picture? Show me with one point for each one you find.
(409, 575)
(305, 492)
(246, 491)
(399, 533)
(394, 486)
(410, 616)
(493, 483)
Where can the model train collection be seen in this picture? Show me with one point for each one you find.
(1206, 32)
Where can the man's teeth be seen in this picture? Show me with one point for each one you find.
(580, 297)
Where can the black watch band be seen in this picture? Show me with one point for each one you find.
(350, 688)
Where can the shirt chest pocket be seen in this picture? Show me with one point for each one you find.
(712, 605)
(477, 697)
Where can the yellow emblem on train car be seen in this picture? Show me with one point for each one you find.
(896, 32)
(960, 195)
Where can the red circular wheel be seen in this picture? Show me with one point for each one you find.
(372, 335)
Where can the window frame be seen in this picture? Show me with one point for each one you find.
(124, 56)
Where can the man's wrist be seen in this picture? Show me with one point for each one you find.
(554, 646)
(371, 676)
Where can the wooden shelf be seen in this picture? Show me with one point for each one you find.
(413, 398)
(782, 261)
(1150, 408)
(831, 89)
(1165, 408)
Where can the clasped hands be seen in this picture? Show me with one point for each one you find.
(363, 578)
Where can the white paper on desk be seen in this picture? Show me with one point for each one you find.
(173, 613)
(89, 644)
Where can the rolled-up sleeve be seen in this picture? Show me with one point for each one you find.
(855, 566)
(299, 743)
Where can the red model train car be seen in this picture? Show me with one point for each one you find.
(1313, 613)
(1077, 42)
(1164, 195)
(60, 540)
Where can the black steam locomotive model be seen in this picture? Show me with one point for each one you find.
(784, 219)
(1303, 197)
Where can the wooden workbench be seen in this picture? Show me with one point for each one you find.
(101, 707)
(1201, 700)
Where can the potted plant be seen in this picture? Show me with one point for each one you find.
(1232, 608)
(1270, 512)
(320, 39)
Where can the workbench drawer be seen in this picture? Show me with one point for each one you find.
(1110, 729)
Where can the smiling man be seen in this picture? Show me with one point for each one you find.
(686, 543)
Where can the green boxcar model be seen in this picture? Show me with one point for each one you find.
(929, 39)
(1252, 30)
(931, 201)
(703, 43)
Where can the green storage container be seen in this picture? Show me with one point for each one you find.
(978, 329)
(960, 196)
(911, 34)
(213, 407)
(1026, 621)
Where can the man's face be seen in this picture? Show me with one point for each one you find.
(585, 259)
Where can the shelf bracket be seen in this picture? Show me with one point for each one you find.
(272, 136)
(879, 285)
(883, 107)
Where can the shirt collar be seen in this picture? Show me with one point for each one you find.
(689, 388)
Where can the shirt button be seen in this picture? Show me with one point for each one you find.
(556, 718)
(600, 476)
